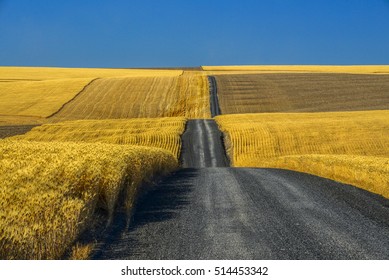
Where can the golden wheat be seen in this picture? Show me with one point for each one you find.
(28, 94)
(49, 191)
(14, 74)
(159, 96)
(312, 142)
(367, 172)
(40, 98)
(159, 132)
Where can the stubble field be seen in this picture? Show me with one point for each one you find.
(301, 92)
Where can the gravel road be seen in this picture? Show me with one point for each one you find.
(202, 145)
(244, 213)
(214, 100)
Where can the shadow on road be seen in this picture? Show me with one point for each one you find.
(161, 204)
(166, 200)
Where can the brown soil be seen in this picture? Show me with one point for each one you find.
(7, 131)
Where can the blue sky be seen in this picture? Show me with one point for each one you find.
(156, 33)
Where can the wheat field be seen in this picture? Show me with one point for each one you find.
(106, 131)
(30, 94)
(17, 74)
(313, 143)
(50, 191)
(38, 98)
(114, 98)
(57, 175)
(151, 132)
(367, 172)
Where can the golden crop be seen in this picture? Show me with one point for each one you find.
(15, 74)
(50, 191)
(38, 98)
(159, 96)
(29, 94)
(337, 145)
(367, 172)
(159, 132)
(352, 69)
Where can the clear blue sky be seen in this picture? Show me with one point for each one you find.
(147, 33)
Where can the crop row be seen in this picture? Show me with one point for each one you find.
(344, 146)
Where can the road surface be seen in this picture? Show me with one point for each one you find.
(202, 145)
(214, 100)
(244, 213)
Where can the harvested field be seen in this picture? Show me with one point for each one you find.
(50, 191)
(351, 69)
(116, 98)
(160, 132)
(337, 145)
(302, 93)
(12, 130)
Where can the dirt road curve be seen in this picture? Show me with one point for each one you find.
(202, 145)
(231, 213)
